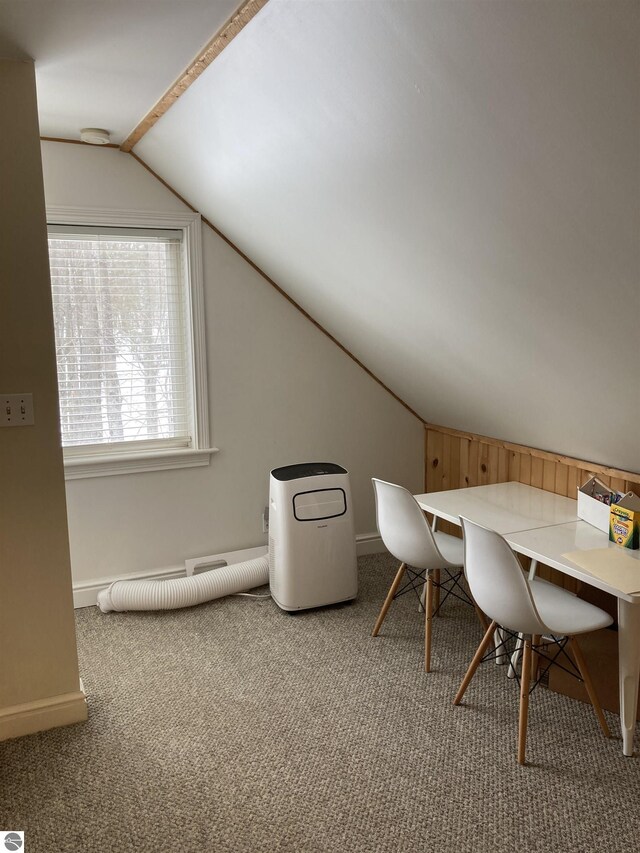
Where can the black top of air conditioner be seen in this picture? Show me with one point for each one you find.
(306, 469)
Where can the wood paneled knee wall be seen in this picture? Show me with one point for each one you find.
(455, 459)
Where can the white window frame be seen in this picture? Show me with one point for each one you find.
(126, 458)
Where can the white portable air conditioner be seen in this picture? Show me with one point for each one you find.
(312, 544)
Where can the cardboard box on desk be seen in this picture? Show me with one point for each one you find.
(594, 500)
(624, 521)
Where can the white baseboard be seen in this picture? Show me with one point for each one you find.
(43, 714)
(369, 543)
(85, 593)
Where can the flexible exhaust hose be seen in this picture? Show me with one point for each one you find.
(184, 592)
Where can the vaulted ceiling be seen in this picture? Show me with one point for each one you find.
(452, 189)
(105, 63)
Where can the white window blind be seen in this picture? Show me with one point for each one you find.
(119, 304)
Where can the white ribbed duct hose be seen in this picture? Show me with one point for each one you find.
(184, 592)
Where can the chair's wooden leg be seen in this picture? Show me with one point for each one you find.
(387, 602)
(535, 658)
(475, 663)
(428, 622)
(436, 592)
(588, 683)
(524, 700)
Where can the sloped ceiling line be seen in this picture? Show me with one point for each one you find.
(461, 214)
(277, 287)
(212, 49)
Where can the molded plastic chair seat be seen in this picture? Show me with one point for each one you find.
(531, 608)
(564, 613)
(423, 554)
(451, 548)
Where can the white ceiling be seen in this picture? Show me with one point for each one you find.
(105, 63)
(451, 188)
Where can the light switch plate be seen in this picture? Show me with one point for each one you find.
(16, 410)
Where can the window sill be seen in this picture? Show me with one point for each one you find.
(109, 465)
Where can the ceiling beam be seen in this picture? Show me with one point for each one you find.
(211, 50)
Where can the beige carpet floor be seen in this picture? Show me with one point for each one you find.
(236, 727)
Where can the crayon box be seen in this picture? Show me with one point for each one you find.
(624, 522)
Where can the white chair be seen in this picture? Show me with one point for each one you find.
(524, 606)
(423, 554)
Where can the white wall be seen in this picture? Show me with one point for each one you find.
(280, 392)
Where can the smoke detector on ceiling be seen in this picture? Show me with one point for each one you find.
(94, 135)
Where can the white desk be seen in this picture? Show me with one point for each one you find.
(504, 507)
(553, 542)
(544, 526)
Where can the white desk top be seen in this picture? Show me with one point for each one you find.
(548, 544)
(504, 507)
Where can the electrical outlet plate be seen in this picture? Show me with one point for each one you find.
(16, 410)
(265, 520)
